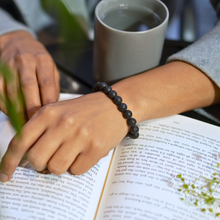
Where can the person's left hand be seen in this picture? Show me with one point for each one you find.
(73, 134)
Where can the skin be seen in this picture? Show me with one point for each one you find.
(33, 69)
(77, 133)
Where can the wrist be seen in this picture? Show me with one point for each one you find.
(122, 107)
(129, 95)
(108, 111)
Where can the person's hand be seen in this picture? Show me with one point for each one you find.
(33, 69)
(72, 135)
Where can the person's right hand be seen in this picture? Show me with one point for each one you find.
(33, 69)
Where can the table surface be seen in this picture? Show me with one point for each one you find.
(75, 64)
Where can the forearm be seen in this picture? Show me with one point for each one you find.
(170, 89)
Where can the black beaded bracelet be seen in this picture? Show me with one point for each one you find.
(122, 107)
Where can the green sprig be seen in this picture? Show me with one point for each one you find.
(206, 195)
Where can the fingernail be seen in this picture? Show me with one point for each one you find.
(3, 177)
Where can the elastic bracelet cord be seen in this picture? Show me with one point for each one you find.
(122, 107)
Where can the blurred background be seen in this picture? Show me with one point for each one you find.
(65, 27)
(189, 19)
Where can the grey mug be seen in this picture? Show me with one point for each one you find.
(120, 52)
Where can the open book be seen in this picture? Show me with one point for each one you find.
(135, 181)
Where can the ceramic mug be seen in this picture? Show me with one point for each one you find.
(129, 37)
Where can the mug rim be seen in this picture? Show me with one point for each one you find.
(133, 32)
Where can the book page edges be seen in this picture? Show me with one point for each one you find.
(100, 198)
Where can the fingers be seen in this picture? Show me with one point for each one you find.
(46, 78)
(2, 95)
(68, 151)
(57, 81)
(93, 149)
(63, 158)
(85, 161)
(29, 84)
(20, 144)
(41, 152)
(78, 156)
(39, 81)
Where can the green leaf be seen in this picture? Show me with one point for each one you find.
(69, 27)
(15, 116)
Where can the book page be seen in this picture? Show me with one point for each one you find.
(141, 181)
(31, 195)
